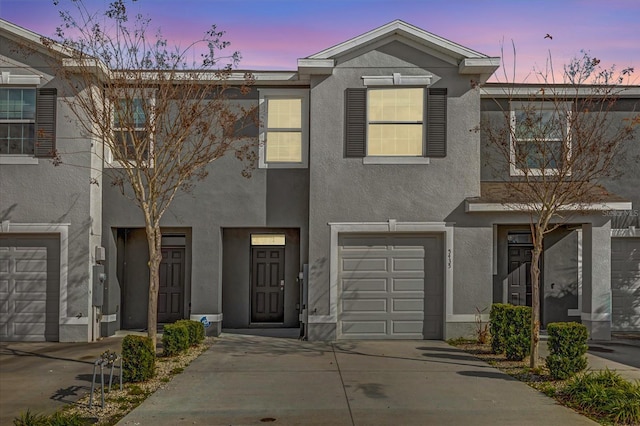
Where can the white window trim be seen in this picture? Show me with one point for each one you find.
(108, 154)
(28, 82)
(397, 79)
(544, 106)
(265, 95)
(397, 159)
(23, 159)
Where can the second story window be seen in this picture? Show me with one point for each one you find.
(131, 137)
(395, 122)
(284, 128)
(404, 125)
(17, 121)
(540, 138)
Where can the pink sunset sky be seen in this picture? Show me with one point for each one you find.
(273, 34)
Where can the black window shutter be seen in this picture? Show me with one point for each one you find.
(46, 101)
(437, 123)
(356, 123)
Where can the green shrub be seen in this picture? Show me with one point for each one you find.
(175, 339)
(196, 331)
(517, 342)
(605, 394)
(59, 418)
(138, 358)
(567, 349)
(28, 418)
(497, 327)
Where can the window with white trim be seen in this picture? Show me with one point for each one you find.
(130, 129)
(17, 120)
(395, 122)
(284, 128)
(540, 137)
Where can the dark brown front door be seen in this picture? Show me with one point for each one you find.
(267, 284)
(171, 291)
(520, 275)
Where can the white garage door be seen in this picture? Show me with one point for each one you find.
(625, 284)
(29, 287)
(391, 287)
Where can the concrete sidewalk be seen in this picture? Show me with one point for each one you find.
(247, 380)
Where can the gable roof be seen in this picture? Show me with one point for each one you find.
(468, 61)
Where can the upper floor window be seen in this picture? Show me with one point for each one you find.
(396, 124)
(540, 138)
(131, 140)
(27, 123)
(284, 128)
(17, 121)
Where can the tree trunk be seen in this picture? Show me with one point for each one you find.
(535, 299)
(154, 239)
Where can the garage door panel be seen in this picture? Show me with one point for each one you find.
(31, 265)
(364, 284)
(410, 265)
(29, 330)
(408, 305)
(407, 284)
(407, 327)
(364, 305)
(364, 327)
(36, 307)
(365, 265)
(35, 287)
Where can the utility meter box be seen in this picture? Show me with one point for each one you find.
(99, 281)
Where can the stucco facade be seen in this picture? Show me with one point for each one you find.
(355, 246)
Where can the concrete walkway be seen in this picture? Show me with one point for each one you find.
(251, 380)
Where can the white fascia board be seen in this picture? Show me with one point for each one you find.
(316, 66)
(524, 207)
(509, 91)
(6, 77)
(20, 34)
(479, 65)
(406, 30)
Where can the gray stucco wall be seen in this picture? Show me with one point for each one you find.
(346, 190)
(46, 194)
(271, 198)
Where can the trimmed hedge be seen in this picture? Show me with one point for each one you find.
(517, 343)
(510, 327)
(175, 339)
(196, 331)
(497, 326)
(567, 349)
(138, 358)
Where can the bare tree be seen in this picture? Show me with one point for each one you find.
(558, 141)
(162, 117)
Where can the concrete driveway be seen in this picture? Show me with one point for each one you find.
(251, 380)
(44, 377)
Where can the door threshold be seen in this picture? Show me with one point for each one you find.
(281, 332)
